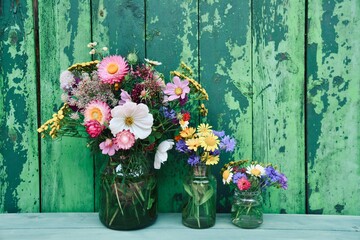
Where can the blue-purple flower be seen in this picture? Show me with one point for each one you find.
(182, 147)
(193, 160)
(227, 143)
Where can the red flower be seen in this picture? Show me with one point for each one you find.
(243, 184)
(93, 128)
(186, 116)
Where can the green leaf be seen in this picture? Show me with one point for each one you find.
(208, 194)
(188, 190)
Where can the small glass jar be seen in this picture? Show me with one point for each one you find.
(247, 209)
(199, 209)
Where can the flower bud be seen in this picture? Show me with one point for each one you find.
(132, 58)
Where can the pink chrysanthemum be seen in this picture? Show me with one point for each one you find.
(125, 139)
(97, 110)
(178, 89)
(108, 147)
(243, 184)
(93, 128)
(112, 69)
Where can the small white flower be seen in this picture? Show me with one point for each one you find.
(227, 176)
(92, 52)
(152, 62)
(66, 80)
(105, 49)
(256, 170)
(161, 152)
(184, 124)
(75, 116)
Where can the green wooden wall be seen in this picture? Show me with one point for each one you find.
(282, 75)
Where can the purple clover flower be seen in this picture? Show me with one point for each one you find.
(193, 160)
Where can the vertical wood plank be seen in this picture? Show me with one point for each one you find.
(172, 37)
(225, 63)
(120, 26)
(66, 164)
(334, 107)
(278, 114)
(19, 173)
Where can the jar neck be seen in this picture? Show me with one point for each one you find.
(247, 194)
(200, 170)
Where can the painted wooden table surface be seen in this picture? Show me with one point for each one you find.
(168, 226)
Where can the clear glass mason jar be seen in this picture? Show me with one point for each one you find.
(199, 207)
(128, 199)
(247, 209)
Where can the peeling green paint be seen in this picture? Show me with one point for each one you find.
(278, 80)
(333, 111)
(18, 152)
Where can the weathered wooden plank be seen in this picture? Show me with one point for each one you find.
(66, 165)
(333, 107)
(19, 172)
(278, 82)
(172, 37)
(120, 26)
(87, 226)
(225, 71)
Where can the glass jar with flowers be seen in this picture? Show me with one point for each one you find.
(249, 180)
(128, 114)
(203, 146)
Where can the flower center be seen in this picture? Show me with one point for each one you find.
(226, 174)
(129, 121)
(210, 141)
(255, 172)
(112, 68)
(178, 91)
(96, 114)
(124, 139)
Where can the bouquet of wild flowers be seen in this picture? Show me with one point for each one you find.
(203, 146)
(124, 106)
(249, 179)
(252, 176)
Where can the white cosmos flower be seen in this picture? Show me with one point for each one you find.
(133, 117)
(255, 170)
(227, 175)
(161, 152)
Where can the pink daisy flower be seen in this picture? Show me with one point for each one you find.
(112, 69)
(243, 184)
(93, 128)
(108, 147)
(97, 110)
(125, 139)
(178, 89)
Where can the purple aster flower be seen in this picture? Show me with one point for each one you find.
(193, 160)
(272, 174)
(181, 146)
(219, 134)
(228, 144)
(169, 113)
(238, 176)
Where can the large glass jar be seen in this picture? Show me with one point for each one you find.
(199, 210)
(247, 209)
(128, 197)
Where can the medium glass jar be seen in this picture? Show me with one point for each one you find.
(199, 209)
(247, 209)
